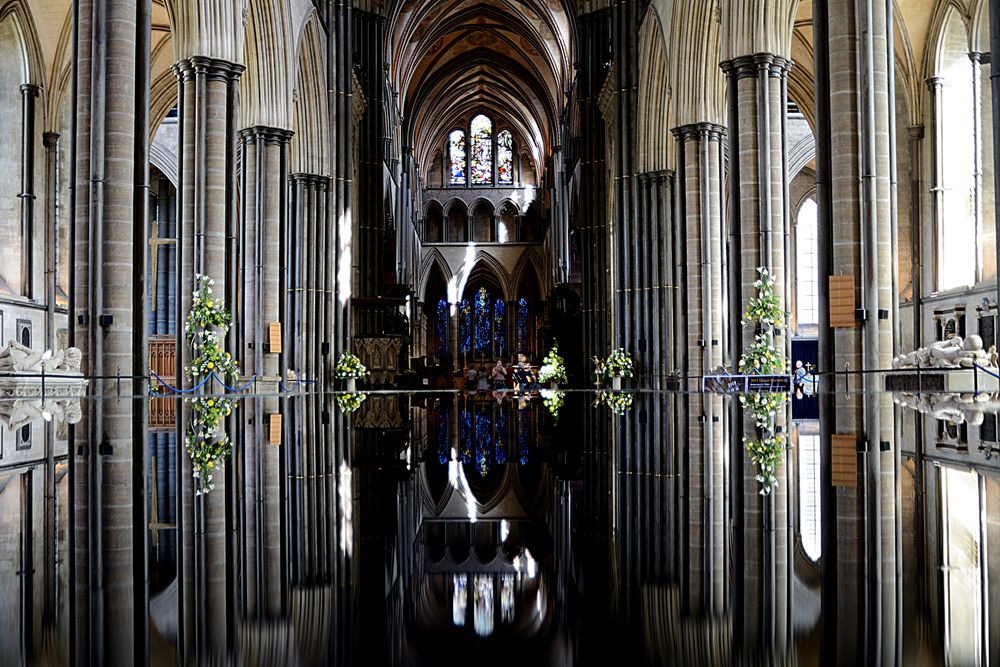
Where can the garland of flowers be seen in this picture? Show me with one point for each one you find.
(553, 367)
(766, 449)
(349, 367)
(206, 441)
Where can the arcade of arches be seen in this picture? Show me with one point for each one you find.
(436, 185)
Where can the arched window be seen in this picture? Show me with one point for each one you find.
(505, 157)
(456, 157)
(484, 322)
(481, 150)
(523, 325)
(809, 491)
(464, 327)
(441, 325)
(433, 227)
(957, 238)
(457, 223)
(11, 237)
(806, 265)
(499, 328)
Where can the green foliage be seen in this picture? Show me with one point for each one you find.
(350, 402)
(349, 367)
(618, 402)
(767, 454)
(762, 406)
(761, 358)
(619, 362)
(553, 367)
(554, 401)
(765, 308)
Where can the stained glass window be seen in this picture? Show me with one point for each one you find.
(522, 326)
(500, 437)
(443, 440)
(505, 157)
(499, 331)
(523, 436)
(481, 150)
(456, 154)
(465, 434)
(484, 442)
(442, 325)
(483, 328)
(464, 327)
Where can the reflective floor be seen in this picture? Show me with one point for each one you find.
(558, 529)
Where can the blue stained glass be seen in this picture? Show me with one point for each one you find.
(442, 325)
(483, 327)
(500, 436)
(464, 327)
(484, 442)
(522, 436)
(443, 443)
(522, 326)
(465, 434)
(499, 331)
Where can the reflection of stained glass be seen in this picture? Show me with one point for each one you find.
(482, 605)
(481, 150)
(464, 327)
(507, 598)
(442, 436)
(500, 437)
(499, 319)
(522, 326)
(456, 154)
(459, 599)
(442, 325)
(465, 434)
(483, 340)
(505, 157)
(484, 442)
(522, 436)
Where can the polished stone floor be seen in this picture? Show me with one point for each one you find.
(459, 528)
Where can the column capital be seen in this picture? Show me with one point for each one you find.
(916, 131)
(753, 65)
(934, 83)
(29, 90)
(213, 68)
(310, 179)
(49, 139)
(696, 131)
(268, 135)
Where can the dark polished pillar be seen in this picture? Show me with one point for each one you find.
(29, 93)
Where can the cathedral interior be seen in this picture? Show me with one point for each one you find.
(551, 332)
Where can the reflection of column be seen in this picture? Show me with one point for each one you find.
(699, 179)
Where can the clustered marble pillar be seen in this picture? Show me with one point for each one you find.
(758, 237)
(699, 200)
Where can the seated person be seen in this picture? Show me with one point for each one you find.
(498, 374)
(524, 378)
(470, 378)
(482, 380)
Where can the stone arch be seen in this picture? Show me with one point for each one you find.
(483, 225)
(433, 222)
(485, 261)
(456, 221)
(32, 62)
(433, 260)
(309, 144)
(654, 140)
(527, 268)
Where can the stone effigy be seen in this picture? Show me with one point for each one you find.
(955, 408)
(26, 373)
(15, 413)
(952, 353)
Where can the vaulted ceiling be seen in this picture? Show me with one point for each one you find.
(450, 59)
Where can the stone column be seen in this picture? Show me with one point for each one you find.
(206, 244)
(264, 160)
(855, 220)
(699, 181)
(109, 602)
(29, 94)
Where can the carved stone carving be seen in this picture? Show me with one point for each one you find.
(17, 358)
(954, 408)
(25, 373)
(951, 353)
(18, 412)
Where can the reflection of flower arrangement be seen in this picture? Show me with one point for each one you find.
(206, 442)
(765, 308)
(767, 454)
(762, 406)
(761, 358)
(553, 367)
(349, 367)
(553, 400)
(350, 402)
(619, 362)
(618, 402)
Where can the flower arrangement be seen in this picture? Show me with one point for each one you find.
(619, 363)
(765, 308)
(350, 402)
(205, 331)
(766, 448)
(766, 453)
(206, 442)
(761, 358)
(618, 402)
(553, 367)
(349, 367)
(554, 401)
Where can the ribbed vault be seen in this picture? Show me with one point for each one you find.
(451, 59)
